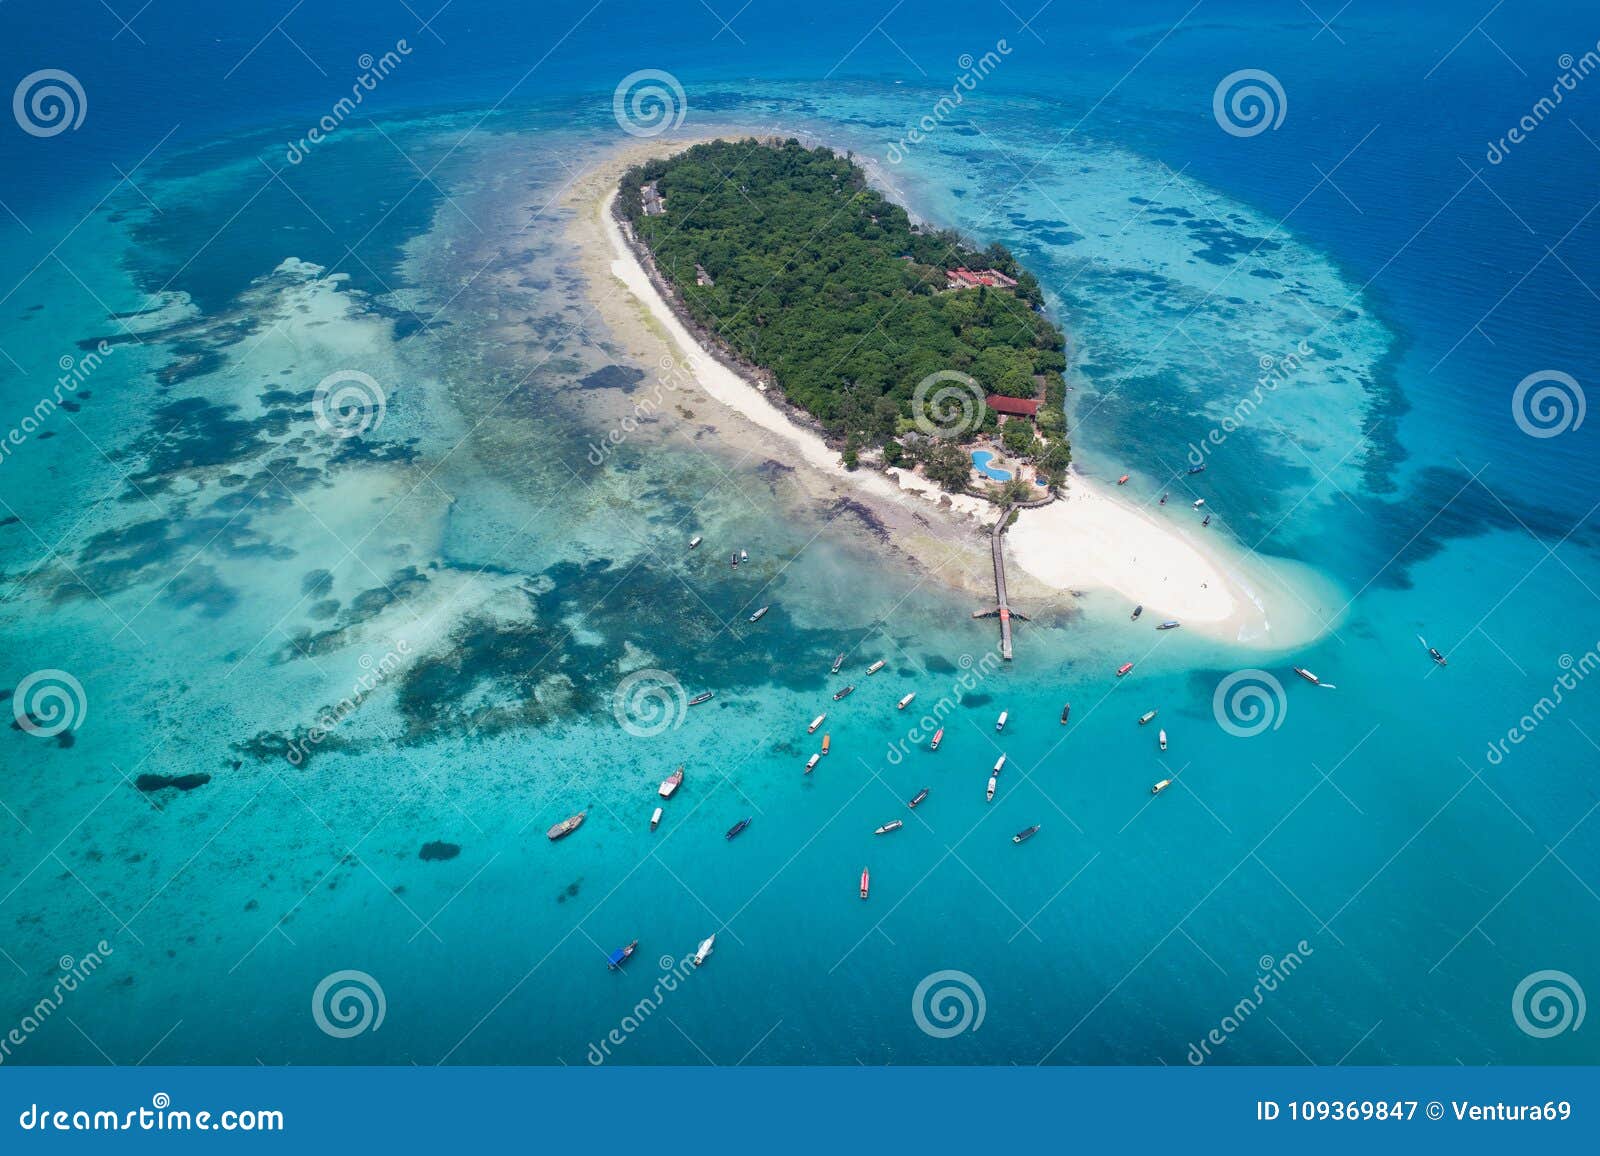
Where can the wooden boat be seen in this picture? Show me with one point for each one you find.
(891, 825)
(906, 701)
(837, 663)
(866, 882)
(703, 952)
(1206, 521)
(1200, 469)
(1162, 738)
(695, 541)
(733, 560)
(1065, 711)
(1169, 624)
(938, 737)
(1123, 480)
(734, 830)
(991, 788)
(760, 614)
(655, 819)
(621, 956)
(1146, 717)
(917, 798)
(826, 743)
(1137, 610)
(1437, 657)
(875, 667)
(671, 783)
(1124, 668)
(811, 763)
(843, 692)
(704, 696)
(1307, 675)
(1000, 723)
(1161, 786)
(1163, 501)
(566, 827)
(1025, 834)
(999, 764)
(815, 723)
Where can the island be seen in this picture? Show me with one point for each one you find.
(909, 347)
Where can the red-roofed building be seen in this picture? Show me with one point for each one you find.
(1013, 406)
(968, 279)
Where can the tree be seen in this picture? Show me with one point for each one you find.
(1017, 436)
(949, 465)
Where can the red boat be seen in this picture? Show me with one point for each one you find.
(1124, 668)
(1123, 480)
(865, 881)
(938, 737)
(670, 783)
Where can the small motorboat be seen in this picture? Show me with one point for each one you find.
(866, 882)
(671, 783)
(916, 799)
(1146, 717)
(875, 667)
(843, 692)
(655, 819)
(1437, 657)
(906, 701)
(1162, 738)
(733, 560)
(1000, 723)
(621, 956)
(837, 663)
(815, 723)
(1163, 501)
(1200, 469)
(999, 765)
(1137, 610)
(703, 952)
(1170, 624)
(1123, 480)
(938, 737)
(991, 788)
(1065, 711)
(744, 556)
(704, 696)
(695, 541)
(734, 830)
(827, 742)
(1025, 834)
(760, 614)
(566, 827)
(811, 763)
(1124, 669)
(1198, 502)
(1206, 521)
(1307, 675)
(891, 825)
(1161, 786)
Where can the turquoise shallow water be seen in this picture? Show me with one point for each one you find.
(462, 589)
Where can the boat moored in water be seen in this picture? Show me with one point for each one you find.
(695, 541)
(566, 827)
(891, 825)
(991, 788)
(811, 763)
(827, 741)
(1025, 834)
(1123, 480)
(737, 828)
(843, 692)
(866, 882)
(621, 956)
(1065, 711)
(1162, 738)
(1307, 675)
(906, 701)
(1000, 723)
(1146, 717)
(655, 819)
(815, 723)
(1437, 657)
(875, 667)
(1206, 521)
(1198, 502)
(938, 737)
(671, 783)
(1161, 786)
(1169, 624)
(1137, 610)
(1124, 669)
(703, 952)
(703, 696)
(1200, 469)
(733, 560)
(918, 797)
(999, 765)
(760, 614)
(837, 663)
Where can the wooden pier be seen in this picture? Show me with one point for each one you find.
(1002, 606)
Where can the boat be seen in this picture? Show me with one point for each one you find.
(1146, 717)
(1025, 834)
(1163, 501)
(905, 702)
(875, 667)
(1124, 668)
(811, 763)
(1200, 469)
(703, 952)
(891, 825)
(1123, 480)
(1161, 738)
(760, 614)
(733, 560)
(838, 662)
(938, 737)
(1198, 502)
(843, 693)
(566, 827)
(991, 788)
(1307, 675)
(1206, 521)
(999, 764)
(695, 541)
(1170, 624)
(671, 783)
(826, 743)
(1437, 657)
(1065, 711)
(866, 882)
(1161, 786)
(1000, 723)
(744, 556)
(1137, 610)
(704, 696)
(621, 956)
(655, 819)
(736, 828)
(918, 797)
(815, 723)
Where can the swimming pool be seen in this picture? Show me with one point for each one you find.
(981, 460)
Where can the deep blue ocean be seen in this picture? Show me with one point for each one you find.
(1403, 870)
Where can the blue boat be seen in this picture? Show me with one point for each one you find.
(737, 827)
(620, 956)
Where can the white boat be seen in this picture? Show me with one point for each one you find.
(991, 788)
(703, 952)
(1198, 502)
(893, 825)
(655, 820)
(905, 702)
(1161, 786)
(1162, 737)
(811, 763)
(743, 556)
(760, 614)
(1146, 717)
(999, 764)
(1000, 723)
(695, 541)
(815, 723)
(875, 667)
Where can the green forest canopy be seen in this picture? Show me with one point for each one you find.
(823, 282)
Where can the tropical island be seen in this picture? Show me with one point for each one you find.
(907, 346)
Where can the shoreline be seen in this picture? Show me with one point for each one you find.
(1089, 540)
